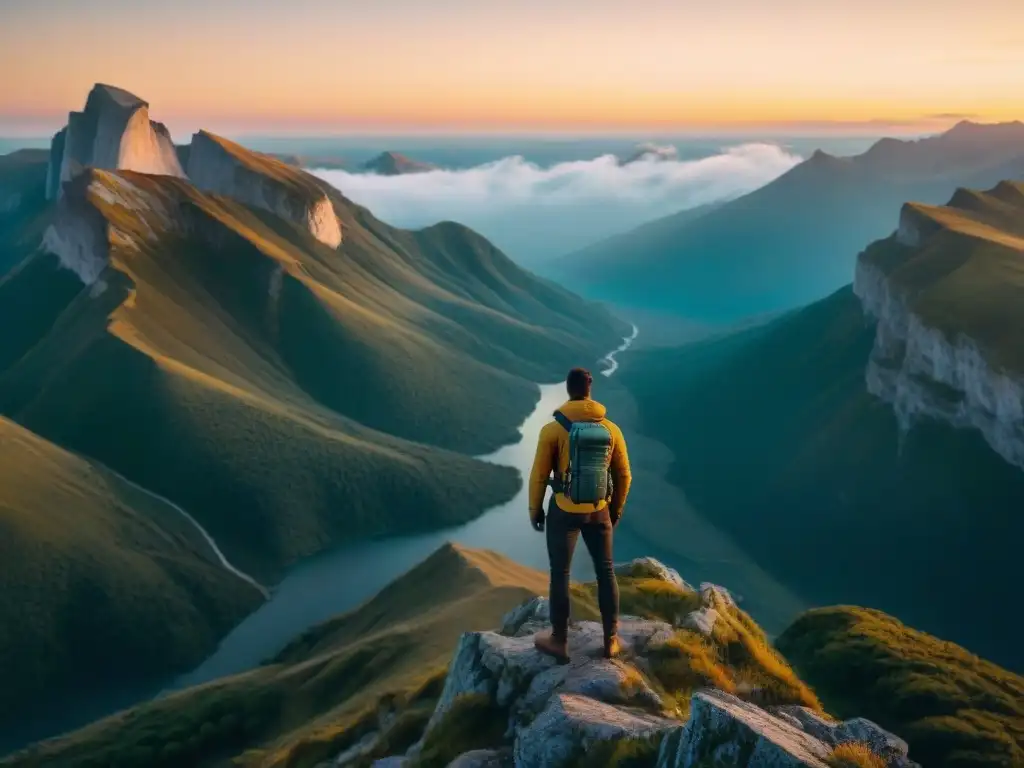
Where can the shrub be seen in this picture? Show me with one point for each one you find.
(855, 755)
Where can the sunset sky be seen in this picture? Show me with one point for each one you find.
(327, 66)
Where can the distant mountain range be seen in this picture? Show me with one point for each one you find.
(236, 336)
(882, 438)
(793, 240)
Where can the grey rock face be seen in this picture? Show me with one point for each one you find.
(570, 723)
(883, 743)
(297, 198)
(113, 132)
(702, 621)
(724, 728)
(557, 712)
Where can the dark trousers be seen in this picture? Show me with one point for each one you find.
(563, 530)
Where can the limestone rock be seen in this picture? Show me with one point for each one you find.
(526, 618)
(113, 132)
(222, 167)
(571, 723)
(702, 621)
(714, 596)
(724, 728)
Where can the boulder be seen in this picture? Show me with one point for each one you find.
(702, 621)
(571, 723)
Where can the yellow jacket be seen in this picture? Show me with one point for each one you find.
(553, 455)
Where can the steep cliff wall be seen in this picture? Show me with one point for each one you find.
(225, 168)
(947, 299)
(113, 132)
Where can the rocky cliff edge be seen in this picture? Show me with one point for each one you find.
(699, 687)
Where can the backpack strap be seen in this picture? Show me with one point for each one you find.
(562, 419)
(559, 482)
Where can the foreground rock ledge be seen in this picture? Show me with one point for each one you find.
(556, 714)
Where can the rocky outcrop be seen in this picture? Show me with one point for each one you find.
(555, 714)
(113, 132)
(82, 237)
(222, 167)
(922, 371)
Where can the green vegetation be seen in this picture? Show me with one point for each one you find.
(473, 722)
(777, 441)
(101, 586)
(324, 691)
(953, 708)
(737, 658)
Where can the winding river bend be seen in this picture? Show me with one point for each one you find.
(344, 578)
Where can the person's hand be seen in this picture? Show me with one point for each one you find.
(537, 520)
(615, 515)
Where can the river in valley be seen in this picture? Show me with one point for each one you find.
(344, 578)
(658, 522)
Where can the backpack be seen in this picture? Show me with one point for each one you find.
(587, 479)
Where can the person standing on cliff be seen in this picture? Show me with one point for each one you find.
(582, 456)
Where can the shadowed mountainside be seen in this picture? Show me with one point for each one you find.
(778, 442)
(102, 585)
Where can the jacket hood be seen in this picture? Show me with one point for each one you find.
(583, 410)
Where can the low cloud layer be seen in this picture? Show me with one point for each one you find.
(535, 213)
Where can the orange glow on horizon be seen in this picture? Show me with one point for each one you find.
(845, 65)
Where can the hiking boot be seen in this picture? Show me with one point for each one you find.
(552, 646)
(612, 646)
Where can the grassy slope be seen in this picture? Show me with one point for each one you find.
(777, 442)
(793, 240)
(966, 277)
(324, 690)
(261, 362)
(954, 709)
(101, 585)
(306, 704)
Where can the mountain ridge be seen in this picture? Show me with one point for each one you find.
(292, 385)
(793, 240)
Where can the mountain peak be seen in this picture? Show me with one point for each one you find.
(112, 132)
(119, 96)
(974, 131)
(395, 164)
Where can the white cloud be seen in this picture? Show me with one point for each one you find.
(533, 213)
